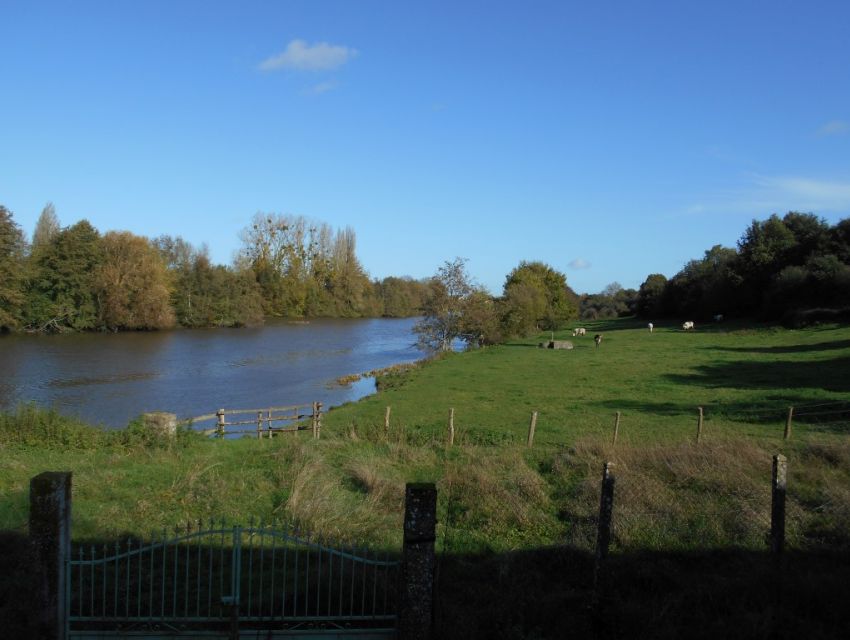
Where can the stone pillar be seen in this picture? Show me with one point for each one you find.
(50, 537)
(417, 563)
(161, 423)
(777, 504)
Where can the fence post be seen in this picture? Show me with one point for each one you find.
(699, 425)
(531, 427)
(603, 530)
(788, 421)
(220, 415)
(50, 537)
(417, 562)
(451, 427)
(777, 504)
(616, 428)
(259, 425)
(387, 422)
(318, 432)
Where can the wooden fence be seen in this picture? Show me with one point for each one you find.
(263, 422)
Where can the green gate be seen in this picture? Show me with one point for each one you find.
(263, 581)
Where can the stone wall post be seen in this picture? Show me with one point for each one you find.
(603, 530)
(777, 506)
(417, 562)
(50, 537)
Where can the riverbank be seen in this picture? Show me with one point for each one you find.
(519, 523)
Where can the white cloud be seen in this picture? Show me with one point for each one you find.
(579, 263)
(834, 128)
(319, 89)
(301, 56)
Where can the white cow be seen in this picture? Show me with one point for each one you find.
(688, 325)
(651, 327)
(718, 317)
(579, 332)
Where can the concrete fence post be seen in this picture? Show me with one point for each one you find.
(777, 504)
(317, 433)
(699, 425)
(50, 537)
(532, 426)
(788, 421)
(417, 562)
(603, 528)
(616, 429)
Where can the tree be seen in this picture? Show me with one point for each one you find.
(537, 297)
(650, 295)
(62, 294)
(131, 284)
(46, 229)
(443, 307)
(12, 247)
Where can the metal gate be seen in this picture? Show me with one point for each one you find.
(263, 581)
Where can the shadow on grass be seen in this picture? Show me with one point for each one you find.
(547, 593)
(797, 348)
(829, 375)
(772, 410)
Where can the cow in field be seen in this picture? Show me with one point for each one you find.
(651, 327)
(718, 317)
(597, 339)
(687, 325)
(579, 332)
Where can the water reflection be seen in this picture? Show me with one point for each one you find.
(110, 378)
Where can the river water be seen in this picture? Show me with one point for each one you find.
(109, 379)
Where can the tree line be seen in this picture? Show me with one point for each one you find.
(795, 269)
(76, 278)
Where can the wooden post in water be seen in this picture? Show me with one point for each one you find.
(616, 428)
(387, 422)
(531, 427)
(451, 427)
(699, 425)
(220, 415)
(788, 422)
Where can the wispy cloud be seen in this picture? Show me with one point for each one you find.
(816, 194)
(760, 195)
(579, 263)
(834, 128)
(319, 89)
(301, 56)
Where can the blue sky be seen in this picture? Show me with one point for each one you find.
(611, 140)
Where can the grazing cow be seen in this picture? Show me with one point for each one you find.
(597, 339)
(688, 325)
(651, 327)
(579, 332)
(718, 317)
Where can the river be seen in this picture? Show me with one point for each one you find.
(109, 379)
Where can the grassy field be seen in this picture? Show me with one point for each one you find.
(502, 505)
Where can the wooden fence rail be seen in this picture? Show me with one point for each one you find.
(266, 422)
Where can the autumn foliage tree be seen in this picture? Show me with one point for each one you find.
(131, 284)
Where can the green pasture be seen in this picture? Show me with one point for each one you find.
(744, 377)
(495, 493)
